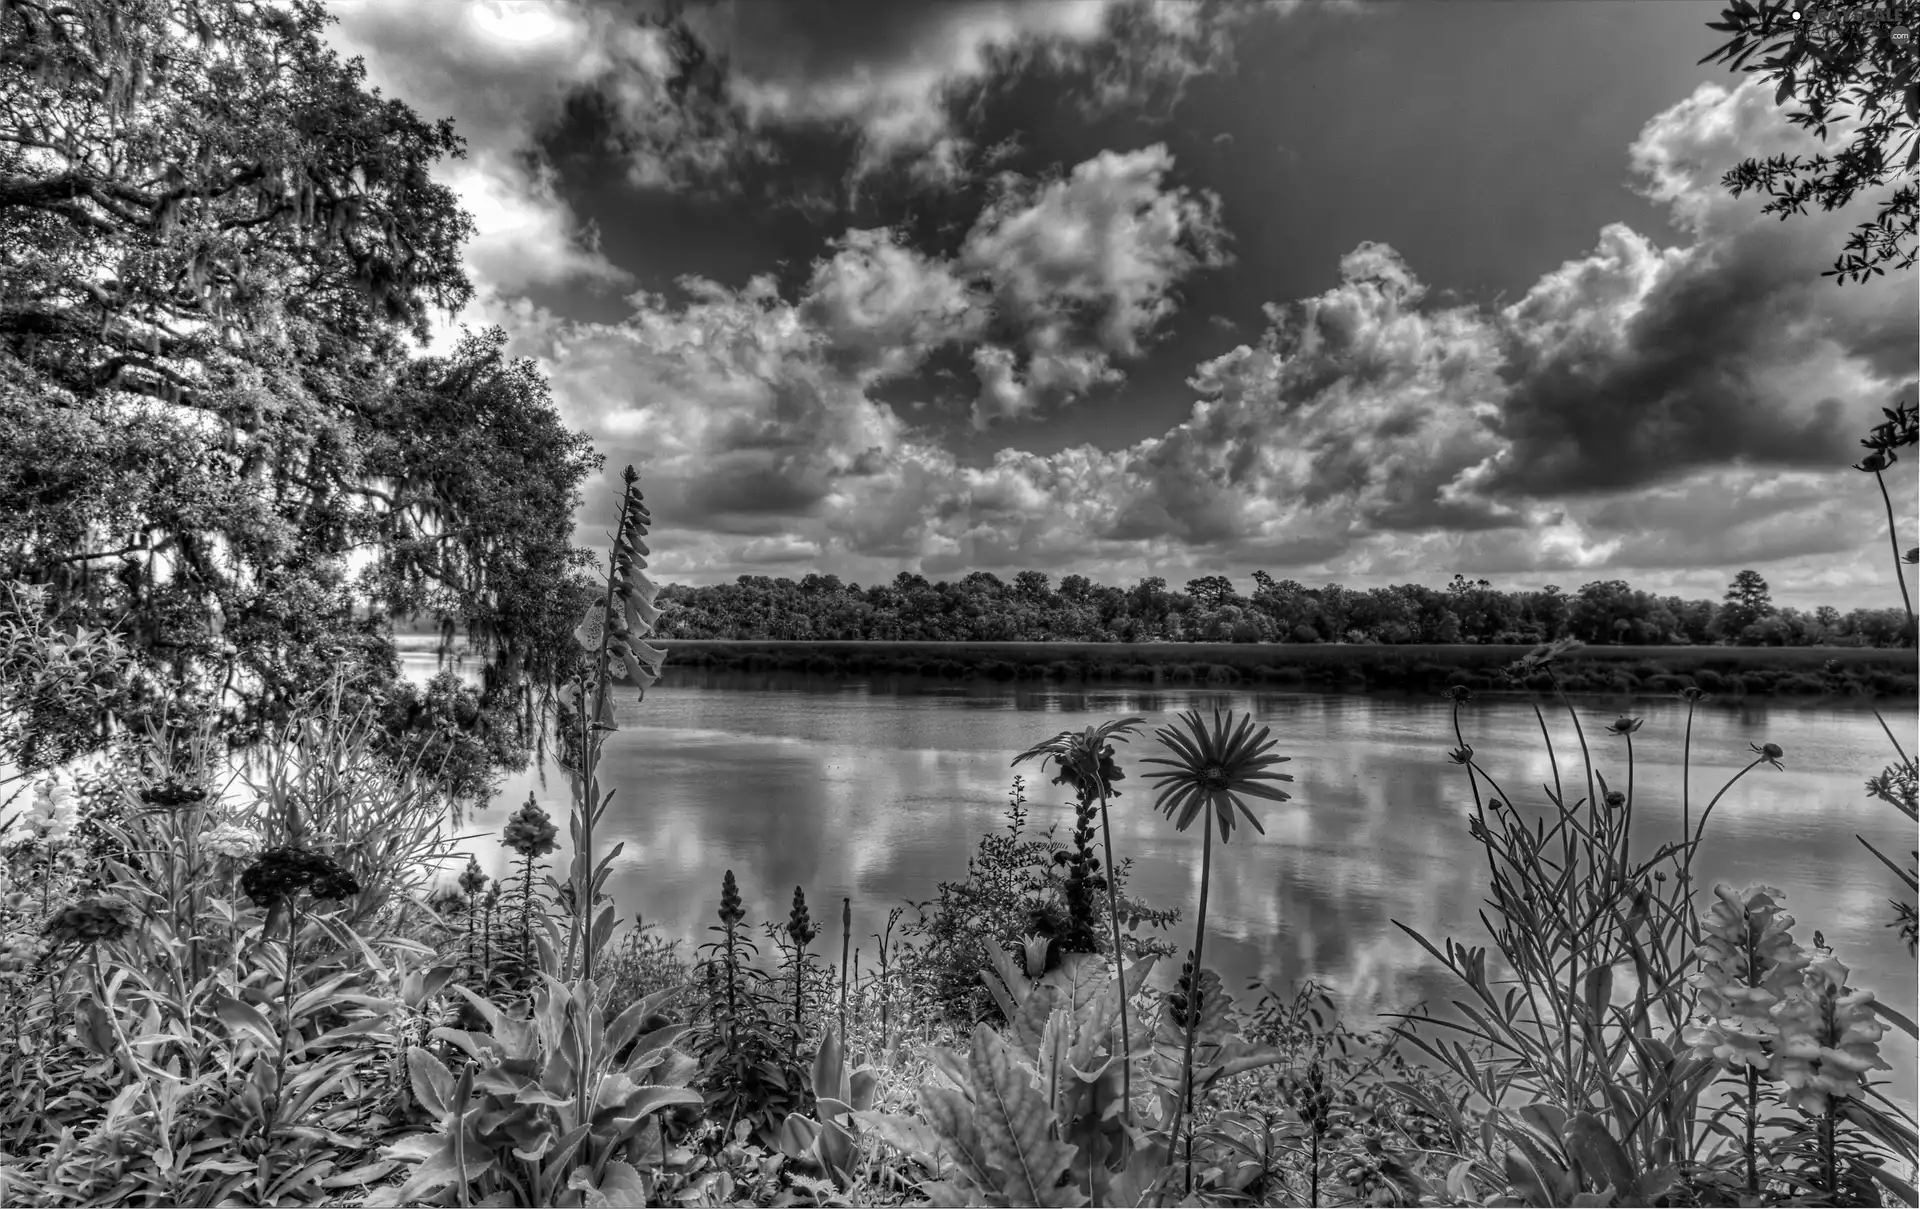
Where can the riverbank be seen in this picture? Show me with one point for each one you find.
(1807, 672)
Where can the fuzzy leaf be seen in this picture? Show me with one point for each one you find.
(1598, 1152)
(1015, 1126)
(911, 1136)
(432, 1081)
(950, 1114)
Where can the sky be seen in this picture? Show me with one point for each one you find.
(1364, 293)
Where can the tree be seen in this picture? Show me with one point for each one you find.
(1828, 619)
(1840, 62)
(1210, 591)
(1033, 585)
(1748, 600)
(212, 239)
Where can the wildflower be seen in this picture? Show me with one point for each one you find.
(1036, 945)
(49, 819)
(529, 831)
(799, 923)
(229, 840)
(591, 628)
(90, 920)
(1771, 753)
(1085, 759)
(1458, 693)
(280, 873)
(472, 881)
(1624, 725)
(1693, 695)
(731, 912)
(1212, 769)
(1828, 1038)
(1462, 754)
(1749, 962)
(1616, 799)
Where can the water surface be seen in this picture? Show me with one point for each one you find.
(879, 788)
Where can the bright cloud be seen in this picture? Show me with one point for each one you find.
(530, 56)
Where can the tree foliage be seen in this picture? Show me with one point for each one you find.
(1843, 64)
(980, 608)
(213, 240)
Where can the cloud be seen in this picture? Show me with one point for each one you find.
(1660, 414)
(884, 305)
(530, 57)
(1086, 266)
(1636, 365)
(702, 93)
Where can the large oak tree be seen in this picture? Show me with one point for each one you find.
(214, 239)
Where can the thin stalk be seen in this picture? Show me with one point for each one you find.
(1479, 809)
(1899, 750)
(846, 938)
(1576, 1097)
(1686, 775)
(1893, 538)
(1702, 829)
(588, 757)
(1753, 1120)
(1193, 999)
(1626, 820)
(1827, 1165)
(1119, 964)
(286, 1030)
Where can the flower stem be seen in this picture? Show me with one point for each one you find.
(1894, 539)
(1193, 988)
(1119, 965)
(1753, 1119)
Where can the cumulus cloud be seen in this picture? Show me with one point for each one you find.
(1644, 412)
(1636, 364)
(1086, 266)
(702, 91)
(884, 305)
(530, 57)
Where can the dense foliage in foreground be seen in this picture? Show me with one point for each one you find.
(254, 998)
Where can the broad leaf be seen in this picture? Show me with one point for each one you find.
(1015, 1126)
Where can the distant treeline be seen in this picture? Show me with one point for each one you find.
(1728, 672)
(984, 608)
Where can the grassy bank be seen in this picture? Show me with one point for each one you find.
(1853, 672)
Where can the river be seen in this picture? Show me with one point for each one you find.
(879, 789)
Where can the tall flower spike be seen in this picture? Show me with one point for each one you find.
(1828, 1038)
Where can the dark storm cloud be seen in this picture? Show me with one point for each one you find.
(1681, 388)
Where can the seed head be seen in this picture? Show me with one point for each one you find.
(799, 923)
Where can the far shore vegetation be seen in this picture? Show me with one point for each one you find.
(1420, 667)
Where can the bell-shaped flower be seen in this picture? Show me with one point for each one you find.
(592, 628)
